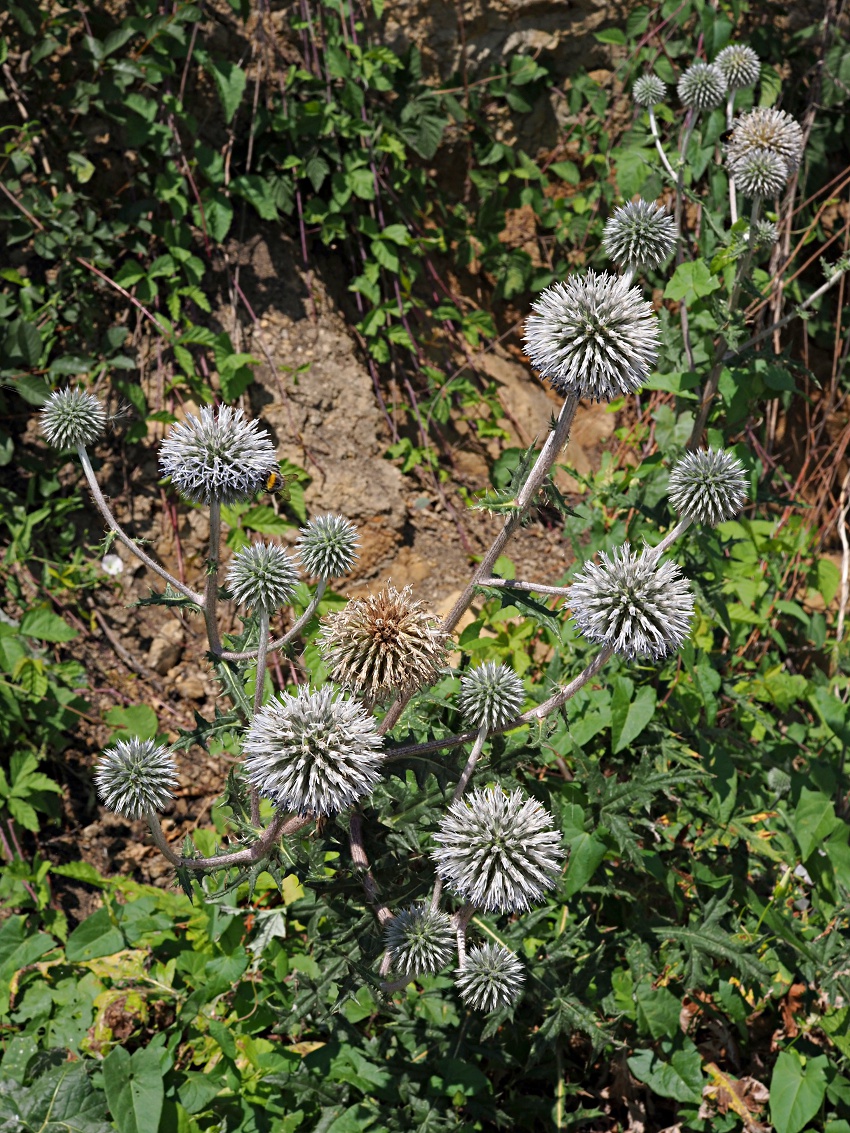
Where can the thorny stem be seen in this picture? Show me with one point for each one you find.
(211, 591)
(768, 331)
(362, 867)
(262, 651)
(461, 920)
(112, 523)
(653, 125)
(279, 827)
(305, 618)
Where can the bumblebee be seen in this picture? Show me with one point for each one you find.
(726, 136)
(277, 483)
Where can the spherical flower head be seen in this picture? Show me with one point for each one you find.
(217, 456)
(759, 172)
(491, 695)
(638, 606)
(328, 546)
(500, 852)
(740, 66)
(136, 777)
(382, 644)
(262, 575)
(766, 128)
(420, 940)
(639, 235)
(779, 781)
(648, 90)
(491, 978)
(72, 417)
(765, 234)
(316, 752)
(702, 86)
(709, 485)
(594, 336)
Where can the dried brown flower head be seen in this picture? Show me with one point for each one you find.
(381, 644)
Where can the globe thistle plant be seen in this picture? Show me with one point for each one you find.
(759, 172)
(764, 234)
(632, 603)
(491, 695)
(648, 90)
(499, 852)
(217, 456)
(766, 128)
(316, 752)
(594, 336)
(708, 485)
(382, 644)
(740, 66)
(420, 939)
(327, 546)
(262, 575)
(136, 777)
(639, 235)
(72, 417)
(702, 87)
(491, 978)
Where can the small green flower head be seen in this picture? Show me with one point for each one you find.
(492, 694)
(779, 781)
(740, 66)
(72, 417)
(759, 172)
(765, 234)
(648, 90)
(262, 575)
(217, 456)
(639, 235)
(491, 978)
(328, 546)
(702, 87)
(420, 940)
(136, 777)
(709, 485)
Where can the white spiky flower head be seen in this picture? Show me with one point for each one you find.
(640, 234)
(710, 485)
(136, 777)
(640, 607)
(262, 575)
(759, 172)
(492, 694)
(765, 234)
(767, 128)
(383, 643)
(327, 546)
(420, 940)
(72, 417)
(491, 978)
(499, 852)
(648, 90)
(315, 752)
(593, 336)
(740, 65)
(702, 86)
(217, 456)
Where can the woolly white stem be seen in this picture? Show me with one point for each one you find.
(211, 590)
(262, 652)
(653, 125)
(461, 920)
(733, 199)
(477, 748)
(290, 634)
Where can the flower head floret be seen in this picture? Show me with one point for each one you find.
(315, 752)
(72, 417)
(648, 90)
(500, 852)
(217, 456)
(740, 65)
(709, 485)
(633, 603)
(639, 235)
(759, 172)
(766, 128)
(491, 978)
(594, 336)
(491, 695)
(136, 777)
(420, 939)
(702, 86)
(765, 234)
(262, 575)
(328, 546)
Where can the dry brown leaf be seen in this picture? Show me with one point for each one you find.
(744, 1096)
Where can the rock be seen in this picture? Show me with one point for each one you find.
(166, 648)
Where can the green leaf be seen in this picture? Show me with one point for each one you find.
(43, 624)
(691, 281)
(230, 82)
(681, 1078)
(22, 343)
(586, 852)
(629, 716)
(62, 1100)
(135, 720)
(611, 35)
(257, 192)
(134, 1088)
(17, 949)
(96, 936)
(813, 821)
(797, 1089)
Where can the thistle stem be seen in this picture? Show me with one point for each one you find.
(211, 590)
(733, 199)
(796, 313)
(461, 920)
(477, 748)
(262, 651)
(279, 827)
(653, 126)
(290, 634)
(113, 525)
(361, 865)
